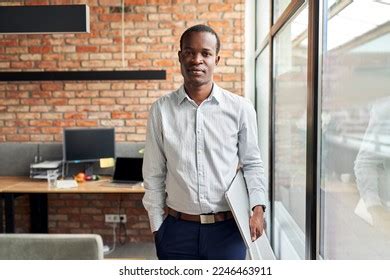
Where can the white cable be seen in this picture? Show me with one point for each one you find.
(123, 33)
(113, 225)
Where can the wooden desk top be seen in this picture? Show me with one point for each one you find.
(27, 185)
(6, 182)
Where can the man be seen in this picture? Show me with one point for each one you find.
(372, 167)
(196, 138)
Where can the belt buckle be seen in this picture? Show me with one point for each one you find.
(207, 219)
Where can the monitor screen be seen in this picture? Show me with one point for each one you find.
(91, 144)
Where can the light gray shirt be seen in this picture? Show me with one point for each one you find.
(192, 153)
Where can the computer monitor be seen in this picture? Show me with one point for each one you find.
(88, 144)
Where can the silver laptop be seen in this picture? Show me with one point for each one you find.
(128, 170)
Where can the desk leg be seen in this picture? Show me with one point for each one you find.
(38, 213)
(9, 213)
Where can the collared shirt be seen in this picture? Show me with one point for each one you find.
(192, 153)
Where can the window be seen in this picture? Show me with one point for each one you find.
(355, 156)
(262, 21)
(279, 7)
(290, 93)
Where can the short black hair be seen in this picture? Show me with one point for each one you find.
(200, 28)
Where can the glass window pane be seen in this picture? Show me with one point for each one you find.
(290, 93)
(355, 159)
(262, 108)
(279, 7)
(262, 21)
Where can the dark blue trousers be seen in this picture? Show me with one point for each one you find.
(184, 240)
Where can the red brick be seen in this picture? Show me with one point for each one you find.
(127, 100)
(27, 116)
(135, 2)
(18, 123)
(51, 57)
(51, 116)
(69, 64)
(18, 108)
(52, 86)
(110, 3)
(135, 17)
(22, 65)
(32, 101)
(9, 130)
(103, 101)
(135, 137)
(88, 108)
(100, 41)
(51, 130)
(163, 62)
(41, 138)
(17, 95)
(75, 115)
(41, 123)
(63, 94)
(18, 138)
(33, 57)
(47, 64)
(92, 63)
(86, 123)
(86, 49)
(122, 115)
(220, 7)
(8, 42)
(57, 101)
(35, 49)
(65, 108)
(142, 115)
(64, 123)
(75, 86)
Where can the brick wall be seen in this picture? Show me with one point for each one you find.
(38, 111)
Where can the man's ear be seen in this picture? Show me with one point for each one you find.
(217, 59)
(179, 55)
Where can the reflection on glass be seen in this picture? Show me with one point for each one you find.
(355, 159)
(279, 7)
(372, 166)
(290, 91)
(262, 108)
(262, 21)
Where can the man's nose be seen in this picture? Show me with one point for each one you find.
(197, 58)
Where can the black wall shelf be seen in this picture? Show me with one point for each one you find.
(83, 75)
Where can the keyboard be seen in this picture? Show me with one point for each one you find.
(66, 184)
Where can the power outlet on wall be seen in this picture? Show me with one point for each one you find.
(115, 218)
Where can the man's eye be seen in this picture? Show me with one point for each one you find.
(206, 54)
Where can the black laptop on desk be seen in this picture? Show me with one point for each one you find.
(128, 170)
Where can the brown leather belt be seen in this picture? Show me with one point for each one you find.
(204, 218)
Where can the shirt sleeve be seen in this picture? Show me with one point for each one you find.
(249, 156)
(154, 170)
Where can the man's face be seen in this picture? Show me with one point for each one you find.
(198, 58)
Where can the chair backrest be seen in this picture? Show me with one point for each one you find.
(51, 247)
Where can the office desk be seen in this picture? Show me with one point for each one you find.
(5, 183)
(11, 187)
